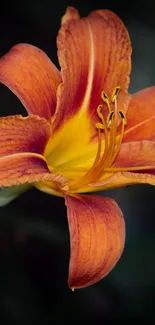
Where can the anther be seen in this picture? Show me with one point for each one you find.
(123, 118)
(109, 119)
(99, 111)
(105, 97)
(115, 94)
(100, 126)
(100, 115)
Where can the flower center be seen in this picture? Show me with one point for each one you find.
(112, 142)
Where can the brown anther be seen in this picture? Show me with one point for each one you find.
(115, 94)
(105, 97)
(109, 119)
(123, 118)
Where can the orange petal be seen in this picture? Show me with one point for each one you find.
(94, 55)
(135, 164)
(25, 168)
(32, 77)
(22, 143)
(97, 234)
(136, 154)
(142, 154)
(141, 116)
(23, 134)
(120, 179)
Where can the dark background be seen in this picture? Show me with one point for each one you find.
(34, 238)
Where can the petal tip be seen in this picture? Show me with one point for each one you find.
(70, 14)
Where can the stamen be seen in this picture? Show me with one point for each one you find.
(112, 124)
(119, 143)
(97, 159)
(112, 142)
(104, 127)
(99, 126)
(111, 147)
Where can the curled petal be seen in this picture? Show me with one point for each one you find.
(23, 134)
(120, 179)
(141, 116)
(94, 55)
(25, 168)
(32, 77)
(97, 234)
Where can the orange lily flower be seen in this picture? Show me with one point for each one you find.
(84, 133)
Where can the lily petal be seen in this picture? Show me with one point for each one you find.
(25, 168)
(23, 134)
(94, 55)
(141, 116)
(120, 179)
(128, 169)
(135, 154)
(32, 77)
(97, 234)
(22, 144)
